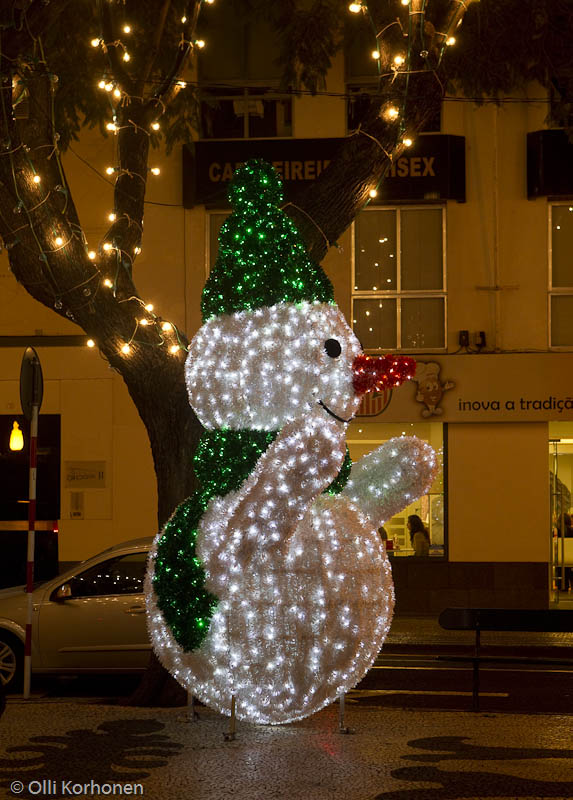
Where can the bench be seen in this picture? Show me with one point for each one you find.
(504, 619)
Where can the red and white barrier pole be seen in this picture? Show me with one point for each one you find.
(31, 547)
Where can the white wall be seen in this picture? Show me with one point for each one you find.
(497, 240)
(323, 115)
(498, 502)
(99, 423)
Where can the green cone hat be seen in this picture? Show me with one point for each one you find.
(262, 259)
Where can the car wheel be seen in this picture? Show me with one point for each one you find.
(11, 661)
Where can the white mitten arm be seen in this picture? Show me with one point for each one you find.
(391, 477)
(289, 476)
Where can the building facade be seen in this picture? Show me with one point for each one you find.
(463, 260)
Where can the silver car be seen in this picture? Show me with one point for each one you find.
(88, 619)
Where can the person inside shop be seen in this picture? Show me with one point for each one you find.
(383, 533)
(419, 536)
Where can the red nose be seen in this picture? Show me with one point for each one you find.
(377, 374)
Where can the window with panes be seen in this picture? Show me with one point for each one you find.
(239, 78)
(399, 278)
(561, 274)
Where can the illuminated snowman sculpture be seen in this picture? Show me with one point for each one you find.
(271, 585)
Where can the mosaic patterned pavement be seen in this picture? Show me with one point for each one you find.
(64, 748)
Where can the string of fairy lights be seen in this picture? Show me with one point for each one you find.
(148, 319)
(401, 62)
(64, 231)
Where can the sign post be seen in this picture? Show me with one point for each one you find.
(31, 393)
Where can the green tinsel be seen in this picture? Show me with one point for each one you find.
(179, 580)
(262, 261)
(339, 482)
(223, 460)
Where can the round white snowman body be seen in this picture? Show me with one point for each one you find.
(304, 587)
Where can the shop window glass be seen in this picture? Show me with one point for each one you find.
(561, 509)
(364, 435)
(399, 297)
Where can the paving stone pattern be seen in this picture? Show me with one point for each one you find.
(393, 754)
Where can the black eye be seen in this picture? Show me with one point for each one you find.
(333, 348)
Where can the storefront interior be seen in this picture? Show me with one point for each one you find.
(364, 436)
(561, 530)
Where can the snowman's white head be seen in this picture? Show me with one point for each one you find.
(261, 369)
(274, 347)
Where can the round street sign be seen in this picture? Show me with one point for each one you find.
(31, 382)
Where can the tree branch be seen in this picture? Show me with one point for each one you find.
(169, 88)
(153, 50)
(32, 23)
(408, 95)
(110, 40)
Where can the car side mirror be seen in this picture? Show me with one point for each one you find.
(62, 593)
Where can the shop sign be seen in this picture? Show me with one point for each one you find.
(432, 169)
(484, 388)
(84, 474)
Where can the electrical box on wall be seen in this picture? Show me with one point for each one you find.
(76, 505)
(85, 474)
(89, 493)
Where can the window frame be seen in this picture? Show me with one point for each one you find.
(249, 91)
(555, 291)
(398, 294)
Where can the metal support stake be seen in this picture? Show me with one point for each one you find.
(475, 698)
(230, 735)
(192, 715)
(342, 728)
(31, 393)
(30, 549)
